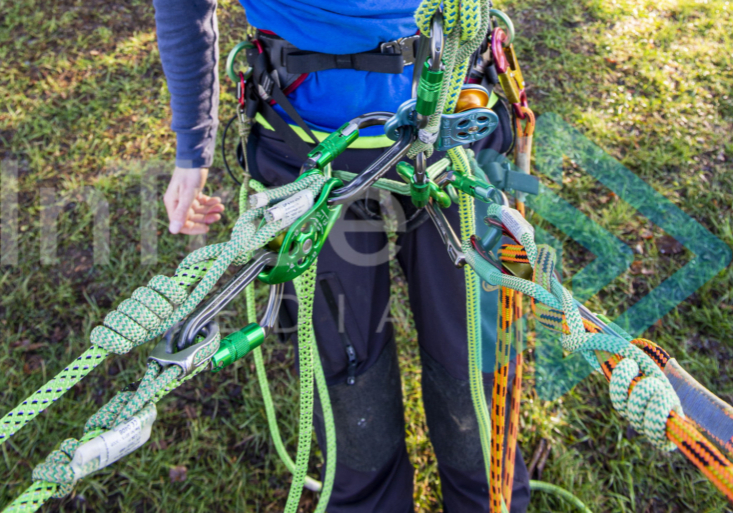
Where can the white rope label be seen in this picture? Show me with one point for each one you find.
(515, 223)
(111, 446)
(290, 209)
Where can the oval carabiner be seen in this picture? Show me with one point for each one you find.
(504, 18)
(498, 38)
(525, 114)
(437, 42)
(233, 56)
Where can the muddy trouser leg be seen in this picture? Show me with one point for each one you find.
(356, 345)
(437, 298)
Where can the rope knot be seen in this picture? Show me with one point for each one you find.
(136, 319)
(639, 389)
(646, 401)
(57, 469)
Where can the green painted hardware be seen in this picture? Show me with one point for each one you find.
(305, 239)
(421, 192)
(234, 76)
(428, 90)
(237, 345)
(507, 21)
(333, 146)
(473, 187)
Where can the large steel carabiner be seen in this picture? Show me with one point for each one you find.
(179, 345)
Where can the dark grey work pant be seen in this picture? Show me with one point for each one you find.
(356, 344)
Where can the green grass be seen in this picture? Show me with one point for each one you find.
(85, 103)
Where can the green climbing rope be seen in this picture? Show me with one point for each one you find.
(303, 296)
(459, 46)
(652, 399)
(541, 486)
(55, 477)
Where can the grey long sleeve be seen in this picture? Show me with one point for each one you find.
(188, 40)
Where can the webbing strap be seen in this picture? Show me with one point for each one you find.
(285, 131)
(301, 61)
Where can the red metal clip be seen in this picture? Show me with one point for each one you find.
(498, 38)
(510, 75)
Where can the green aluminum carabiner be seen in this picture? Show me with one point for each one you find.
(305, 239)
(234, 76)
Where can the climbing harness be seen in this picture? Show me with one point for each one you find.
(281, 232)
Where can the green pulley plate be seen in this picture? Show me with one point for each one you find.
(305, 239)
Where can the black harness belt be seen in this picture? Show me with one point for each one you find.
(308, 62)
(280, 65)
(391, 57)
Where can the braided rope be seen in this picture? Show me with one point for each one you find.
(649, 403)
(511, 446)
(459, 46)
(305, 286)
(155, 308)
(54, 478)
(330, 453)
(504, 341)
(148, 313)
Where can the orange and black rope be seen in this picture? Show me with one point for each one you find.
(505, 337)
(683, 432)
(511, 445)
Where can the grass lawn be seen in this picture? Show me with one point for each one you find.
(85, 104)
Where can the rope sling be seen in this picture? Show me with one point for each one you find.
(639, 388)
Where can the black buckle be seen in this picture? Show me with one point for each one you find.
(405, 46)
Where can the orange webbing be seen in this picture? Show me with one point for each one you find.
(711, 462)
(498, 403)
(511, 445)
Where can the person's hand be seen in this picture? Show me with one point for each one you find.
(190, 211)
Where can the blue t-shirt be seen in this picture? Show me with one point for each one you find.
(328, 99)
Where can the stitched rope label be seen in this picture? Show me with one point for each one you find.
(115, 444)
(291, 209)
